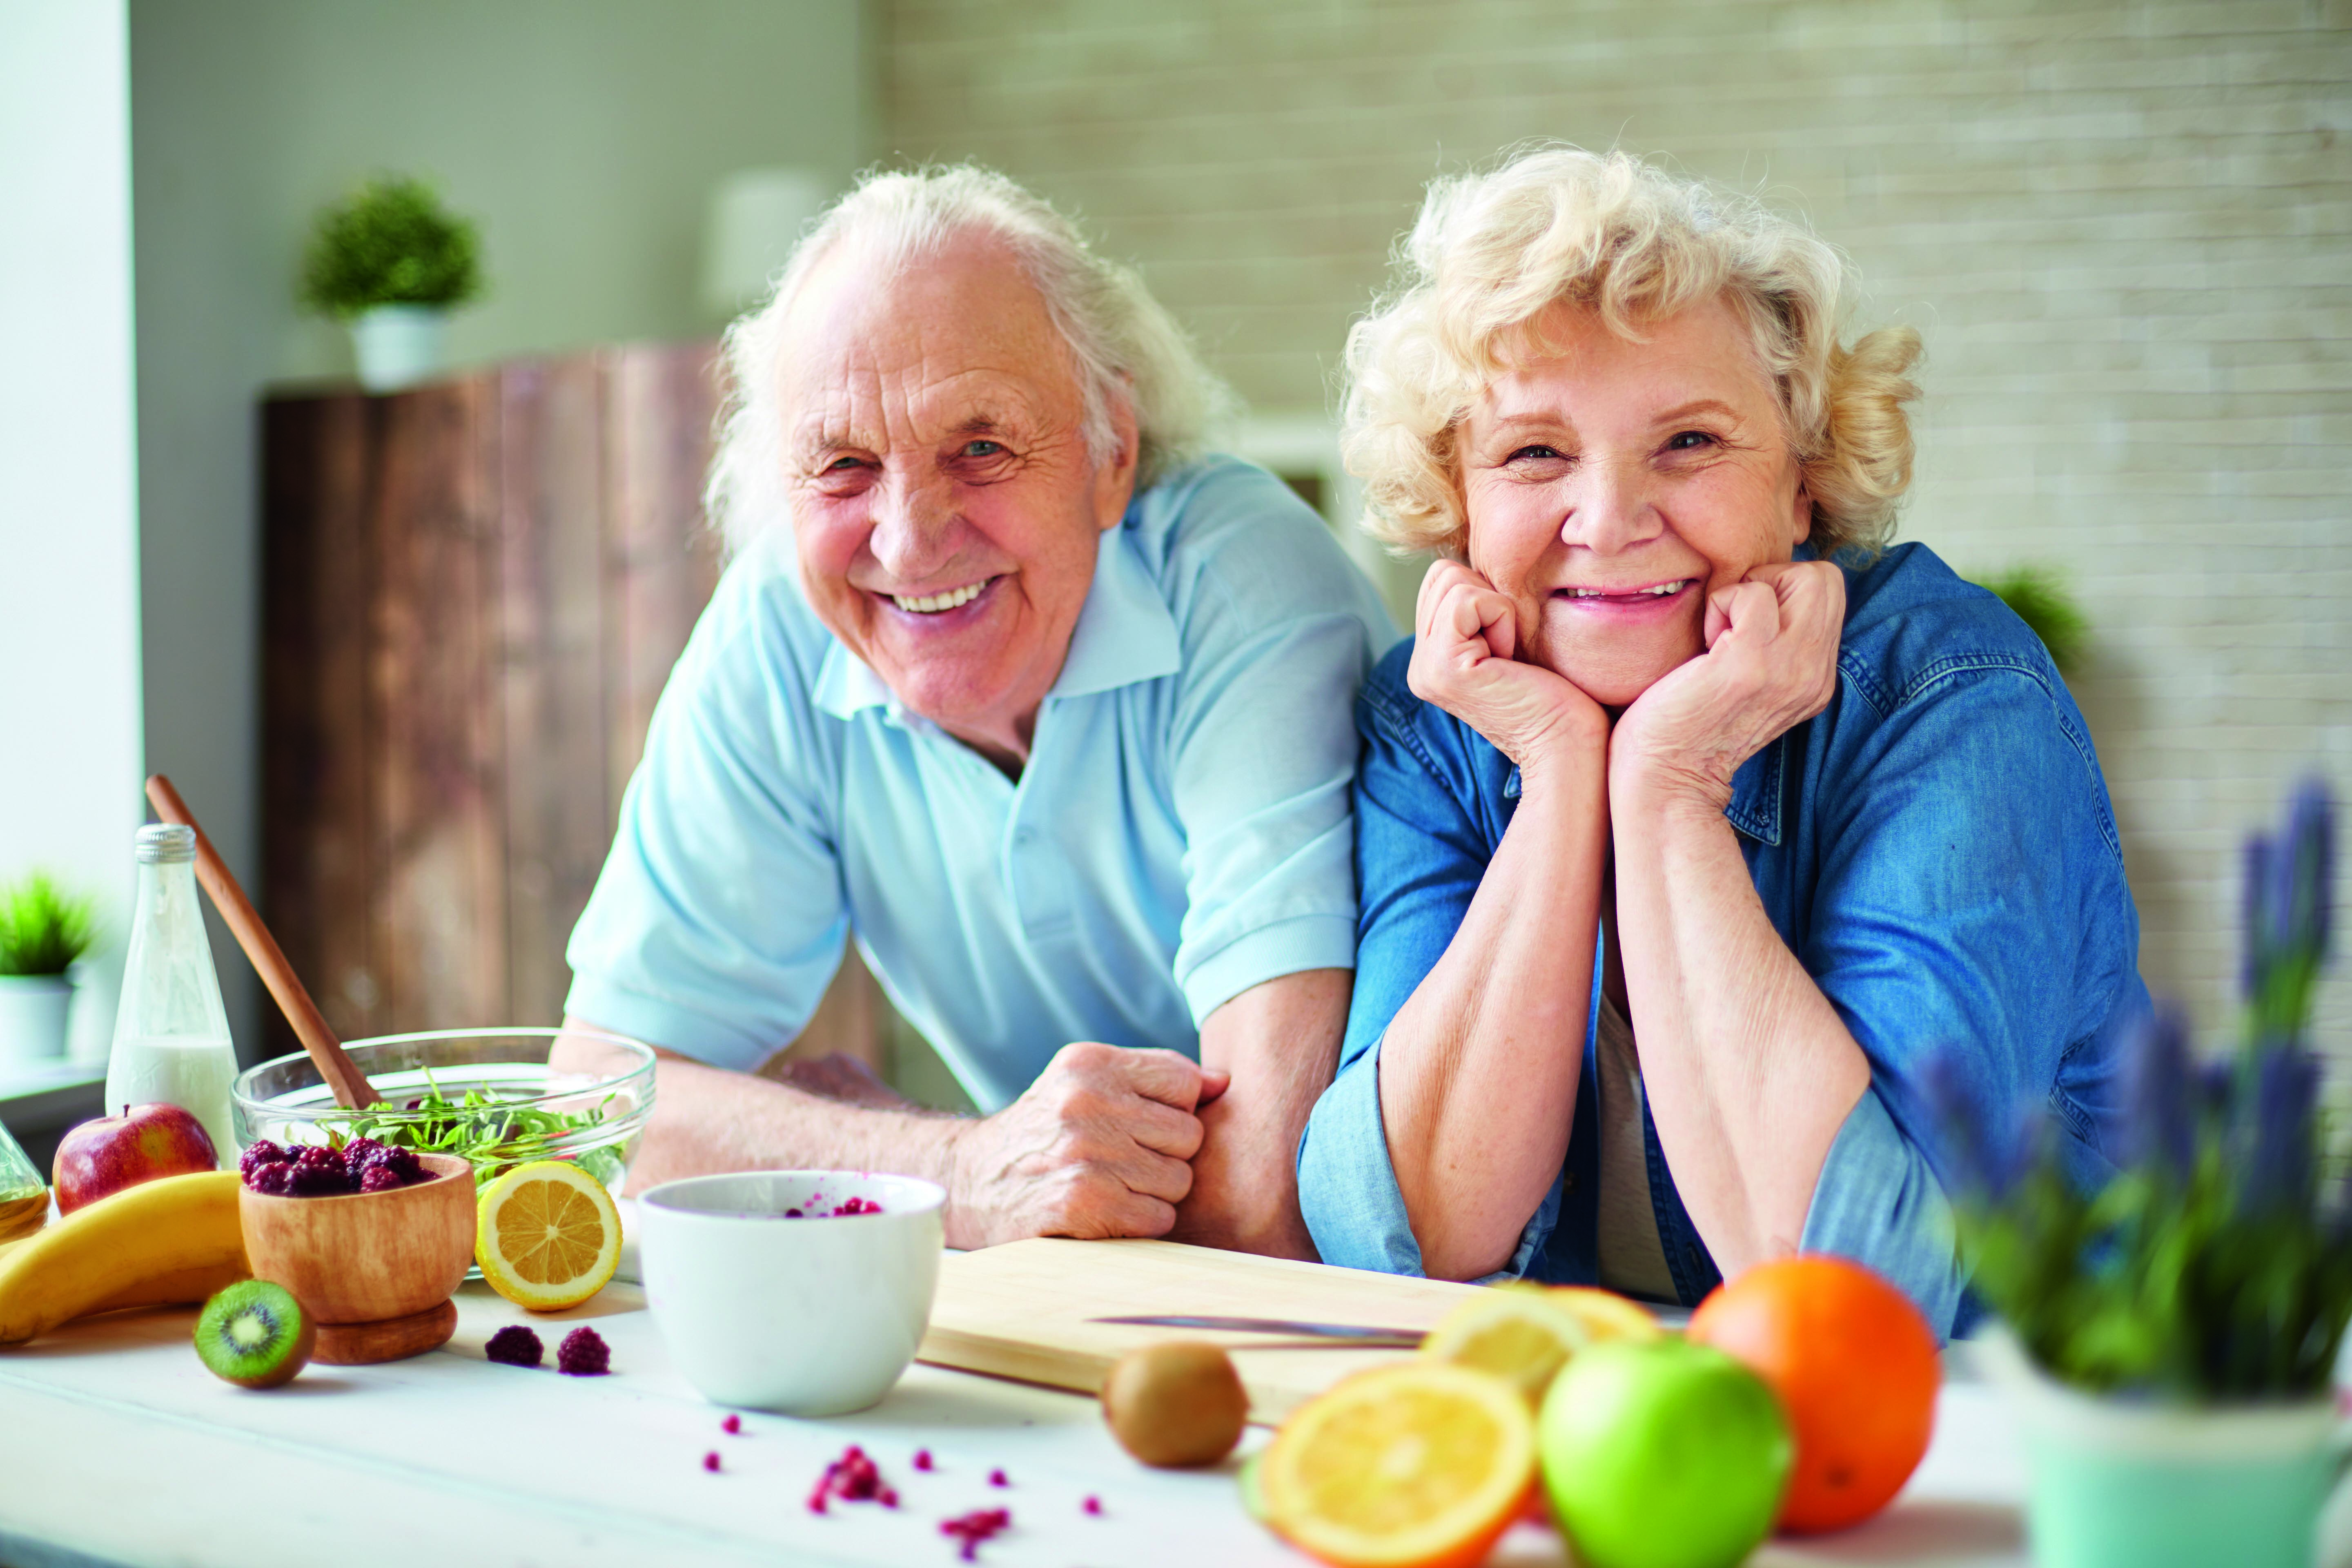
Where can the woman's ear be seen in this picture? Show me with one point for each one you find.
(1801, 512)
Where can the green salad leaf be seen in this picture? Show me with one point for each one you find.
(495, 1135)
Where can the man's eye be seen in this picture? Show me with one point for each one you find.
(1688, 440)
(982, 449)
(841, 465)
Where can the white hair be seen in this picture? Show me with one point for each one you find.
(1492, 252)
(1126, 347)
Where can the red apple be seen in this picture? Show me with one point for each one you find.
(102, 1157)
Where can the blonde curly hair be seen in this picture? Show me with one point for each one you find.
(1491, 252)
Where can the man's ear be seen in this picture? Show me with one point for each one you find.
(1114, 477)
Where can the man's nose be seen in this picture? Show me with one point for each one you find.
(1610, 509)
(914, 525)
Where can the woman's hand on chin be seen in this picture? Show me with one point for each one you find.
(1463, 662)
(1771, 664)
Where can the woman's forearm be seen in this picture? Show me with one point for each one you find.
(1478, 1068)
(1748, 1070)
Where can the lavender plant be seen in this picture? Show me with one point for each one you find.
(2217, 1264)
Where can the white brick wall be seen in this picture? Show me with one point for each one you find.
(2122, 227)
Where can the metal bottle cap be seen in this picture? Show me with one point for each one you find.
(165, 844)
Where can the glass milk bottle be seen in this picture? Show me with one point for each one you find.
(171, 1037)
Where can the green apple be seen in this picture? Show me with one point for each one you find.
(1662, 1455)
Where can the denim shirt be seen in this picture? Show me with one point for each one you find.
(1936, 848)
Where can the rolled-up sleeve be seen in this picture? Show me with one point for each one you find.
(1420, 856)
(720, 916)
(1968, 895)
(1279, 635)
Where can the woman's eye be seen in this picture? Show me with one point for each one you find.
(1688, 440)
(1534, 453)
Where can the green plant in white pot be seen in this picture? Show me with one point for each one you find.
(42, 933)
(2168, 1341)
(391, 263)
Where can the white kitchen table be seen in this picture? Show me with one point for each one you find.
(116, 1446)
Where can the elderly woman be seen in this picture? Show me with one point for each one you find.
(1694, 822)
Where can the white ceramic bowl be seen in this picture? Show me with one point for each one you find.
(813, 1316)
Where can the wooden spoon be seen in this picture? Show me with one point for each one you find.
(348, 1085)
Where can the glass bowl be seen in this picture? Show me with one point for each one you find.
(486, 1094)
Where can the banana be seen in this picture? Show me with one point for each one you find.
(173, 1239)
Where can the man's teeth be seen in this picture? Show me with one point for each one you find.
(1660, 590)
(933, 603)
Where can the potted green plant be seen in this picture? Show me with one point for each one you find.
(391, 262)
(2038, 596)
(42, 933)
(2167, 1340)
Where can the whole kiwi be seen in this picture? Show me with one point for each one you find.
(1175, 1404)
(255, 1334)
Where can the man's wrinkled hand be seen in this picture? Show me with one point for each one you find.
(1100, 1146)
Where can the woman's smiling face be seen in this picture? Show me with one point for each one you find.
(1612, 485)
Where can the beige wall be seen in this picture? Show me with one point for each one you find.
(2122, 228)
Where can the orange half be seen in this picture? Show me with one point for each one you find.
(1419, 1464)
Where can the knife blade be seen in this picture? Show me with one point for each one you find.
(1354, 1336)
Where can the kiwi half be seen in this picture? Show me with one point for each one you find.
(255, 1334)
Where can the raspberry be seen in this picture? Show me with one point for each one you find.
(732, 1425)
(514, 1345)
(792, 1214)
(359, 1151)
(856, 1205)
(996, 1478)
(378, 1177)
(405, 1165)
(584, 1354)
(1092, 1505)
(710, 1461)
(922, 1458)
(975, 1527)
(853, 1478)
(317, 1180)
(262, 1152)
(275, 1181)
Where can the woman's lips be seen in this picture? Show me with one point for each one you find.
(1638, 602)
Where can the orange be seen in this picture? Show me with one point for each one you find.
(1421, 1464)
(1521, 1335)
(1855, 1365)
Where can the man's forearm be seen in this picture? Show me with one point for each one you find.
(1280, 1041)
(707, 1119)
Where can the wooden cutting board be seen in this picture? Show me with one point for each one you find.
(1022, 1310)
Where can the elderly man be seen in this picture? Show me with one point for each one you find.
(1052, 712)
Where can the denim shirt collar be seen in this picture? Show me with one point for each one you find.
(1125, 634)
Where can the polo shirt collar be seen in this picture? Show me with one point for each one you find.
(1125, 635)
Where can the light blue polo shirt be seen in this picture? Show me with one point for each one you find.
(1182, 831)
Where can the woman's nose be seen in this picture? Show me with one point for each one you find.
(1609, 509)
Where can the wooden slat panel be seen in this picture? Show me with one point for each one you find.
(318, 467)
(551, 636)
(440, 895)
(662, 562)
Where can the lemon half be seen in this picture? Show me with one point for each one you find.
(547, 1236)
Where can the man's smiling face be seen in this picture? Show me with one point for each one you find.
(944, 504)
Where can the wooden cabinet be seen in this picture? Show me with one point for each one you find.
(472, 596)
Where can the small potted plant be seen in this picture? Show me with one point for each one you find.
(391, 262)
(2168, 1341)
(42, 933)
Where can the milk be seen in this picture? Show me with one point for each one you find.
(190, 1073)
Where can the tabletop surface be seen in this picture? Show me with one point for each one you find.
(116, 1446)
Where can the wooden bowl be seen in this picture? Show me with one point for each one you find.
(361, 1258)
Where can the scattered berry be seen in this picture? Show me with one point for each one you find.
(1092, 1505)
(857, 1205)
(886, 1498)
(922, 1458)
(853, 1478)
(793, 1214)
(584, 1354)
(972, 1529)
(732, 1425)
(515, 1345)
(710, 1461)
(996, 1478)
